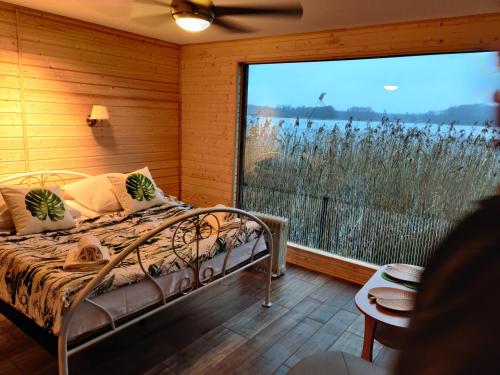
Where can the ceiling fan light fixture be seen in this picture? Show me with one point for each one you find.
(192, 22)
(191, 16)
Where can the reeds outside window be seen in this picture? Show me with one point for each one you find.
(371, 159)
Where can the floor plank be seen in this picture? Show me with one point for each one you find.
(351, 306)
(324, 313)
(292, 292)
(282, 349)
(351, 343)
(210, 349)
(222, 331)
(261, 342)
(252, 320)
(324, 338)
(358, 326)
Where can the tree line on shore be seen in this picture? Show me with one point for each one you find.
(467, 114)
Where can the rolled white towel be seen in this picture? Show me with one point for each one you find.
(89, 255)
(89, 249)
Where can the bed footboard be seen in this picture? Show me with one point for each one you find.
(204, 225)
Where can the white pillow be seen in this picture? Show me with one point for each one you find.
(36, 209)
(137, 191)
(84, 211)
(74, 211)
(5, 216)
(6, 221)
(95, 193)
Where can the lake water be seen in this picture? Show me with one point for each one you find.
(436, 129)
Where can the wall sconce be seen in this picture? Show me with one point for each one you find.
(98, 113)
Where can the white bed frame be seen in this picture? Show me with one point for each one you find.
(188, 286)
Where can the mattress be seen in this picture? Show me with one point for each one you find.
(128, 300)
(33, 281)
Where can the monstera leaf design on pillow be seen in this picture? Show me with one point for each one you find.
(43, 203)
(140, 187)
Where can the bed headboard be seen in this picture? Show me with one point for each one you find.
(42, 178)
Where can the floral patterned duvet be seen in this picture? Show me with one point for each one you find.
(31, 267)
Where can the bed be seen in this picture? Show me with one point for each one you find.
(160, 256)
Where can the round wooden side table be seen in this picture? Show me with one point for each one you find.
(384, 325)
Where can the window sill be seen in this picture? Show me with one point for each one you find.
(344, 268)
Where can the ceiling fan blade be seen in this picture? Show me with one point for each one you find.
(154, 2)
(291, 10)
(153, 20)
(231, 26)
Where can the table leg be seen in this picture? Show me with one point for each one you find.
(370, 324)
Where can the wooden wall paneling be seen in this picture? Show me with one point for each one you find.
(52, 69)
(42, 21)
(49, 34)
(124, 103)
(12, 154)
(209, 78)
(97, 67)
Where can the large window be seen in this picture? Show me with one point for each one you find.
(372, 159)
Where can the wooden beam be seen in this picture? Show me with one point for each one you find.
(330, 264)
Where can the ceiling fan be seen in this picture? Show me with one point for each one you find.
(197, 15)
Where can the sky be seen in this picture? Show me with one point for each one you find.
(430, 82)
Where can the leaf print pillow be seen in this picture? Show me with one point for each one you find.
(137, 191)
(43, 204)
(37, 209)
(140, 187)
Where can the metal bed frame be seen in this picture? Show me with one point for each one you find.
(197, 219)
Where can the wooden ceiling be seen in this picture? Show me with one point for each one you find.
(318, 15)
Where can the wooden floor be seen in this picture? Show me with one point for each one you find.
(221, 331)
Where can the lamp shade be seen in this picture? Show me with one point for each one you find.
(193, 24)
(99, 112)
